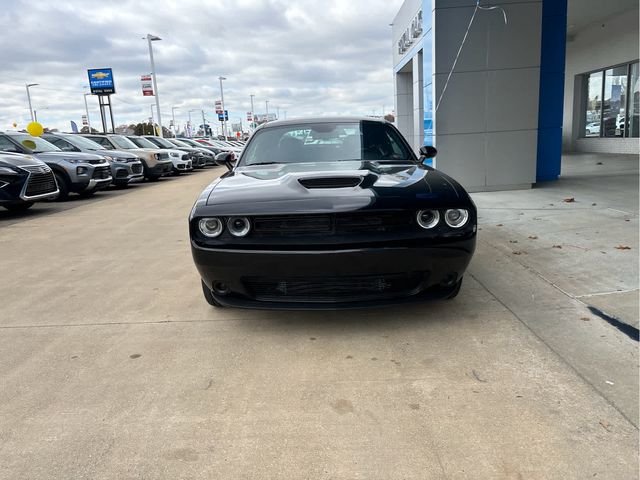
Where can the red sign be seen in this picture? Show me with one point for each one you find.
(147, 86)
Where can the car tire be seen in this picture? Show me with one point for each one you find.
(19, 207)
(63, 187)
(456, 290)
(208, 295)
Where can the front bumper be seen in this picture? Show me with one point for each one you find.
(429, 273)
(125, 172)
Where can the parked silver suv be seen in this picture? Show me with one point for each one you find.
(82, 173)
(125, 166)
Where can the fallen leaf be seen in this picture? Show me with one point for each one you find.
(499, 225)
(557, 246)
(605, 425)
(513, 241)
(569, 200)
(627, 220)
(533, 237)
(585, 319)
(551, 204)
(518, 252)
(599, 163)
(593, 204)
(623, 247)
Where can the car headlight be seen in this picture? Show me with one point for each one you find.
(456, 217)
(239, 226)
(74, 160)
(211, 227)
(156, 156)
(174, 154)
(428, 219)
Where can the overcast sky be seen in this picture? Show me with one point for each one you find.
(307, 57)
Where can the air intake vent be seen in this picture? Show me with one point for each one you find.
(330, 182)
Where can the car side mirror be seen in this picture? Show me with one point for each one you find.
(427, 151)
(228, 159)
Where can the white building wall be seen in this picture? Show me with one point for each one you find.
(602, 44)
(486, 125)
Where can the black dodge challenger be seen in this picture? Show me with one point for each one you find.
(329, 213)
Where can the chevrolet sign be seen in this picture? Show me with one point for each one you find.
(101, 81)
(412, 32)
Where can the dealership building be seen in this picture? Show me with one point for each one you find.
(533, 79)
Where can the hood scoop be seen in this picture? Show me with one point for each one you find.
(330, 182)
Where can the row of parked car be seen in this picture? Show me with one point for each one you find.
(55, 165)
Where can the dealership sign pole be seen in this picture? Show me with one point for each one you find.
(101, 84)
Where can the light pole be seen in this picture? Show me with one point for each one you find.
(153, 38)
(33, 118)
(252, 117)
(193, 110)
(224, 112)
(86, 109)
(266, 104)
(173, 117)
(278, 114)
(204, 124)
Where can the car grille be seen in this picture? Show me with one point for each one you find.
(333, 289)
(40, 181)
(101, 173)
(332, 224)
(136, 168)
(186, 157)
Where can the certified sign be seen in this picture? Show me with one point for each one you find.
(101, 81)
(249, 117)
(147, 86)
(218, 105)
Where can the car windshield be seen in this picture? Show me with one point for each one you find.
(180, 143)
(35, 144)
(162, 142)
(82, 142)
(122, 142)
(142, 142)
(326, 142)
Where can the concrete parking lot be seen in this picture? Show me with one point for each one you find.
(112, 365)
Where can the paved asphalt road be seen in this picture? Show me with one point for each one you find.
(113, 366)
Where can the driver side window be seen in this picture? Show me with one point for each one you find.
(62, 144)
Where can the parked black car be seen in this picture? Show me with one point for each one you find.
(75, 172)
(331, 213)
(24, 180)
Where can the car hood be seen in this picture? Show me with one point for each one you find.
(18, 160)
(320, 187)
(57, 156)
(117, 154)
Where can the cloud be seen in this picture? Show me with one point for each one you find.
(306, 57)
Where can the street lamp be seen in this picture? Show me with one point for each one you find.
(33, 118)
(266, 104)
(173, 117)
(224, 112)
(193, 110)
(86, 109)
(153, 38)
(252, 117)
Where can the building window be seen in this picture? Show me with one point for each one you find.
(594, 105)
(611, 103)
(633, 121)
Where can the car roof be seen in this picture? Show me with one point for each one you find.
(310, 120)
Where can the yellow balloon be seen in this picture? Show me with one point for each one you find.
(35, 129)
(15, 124)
